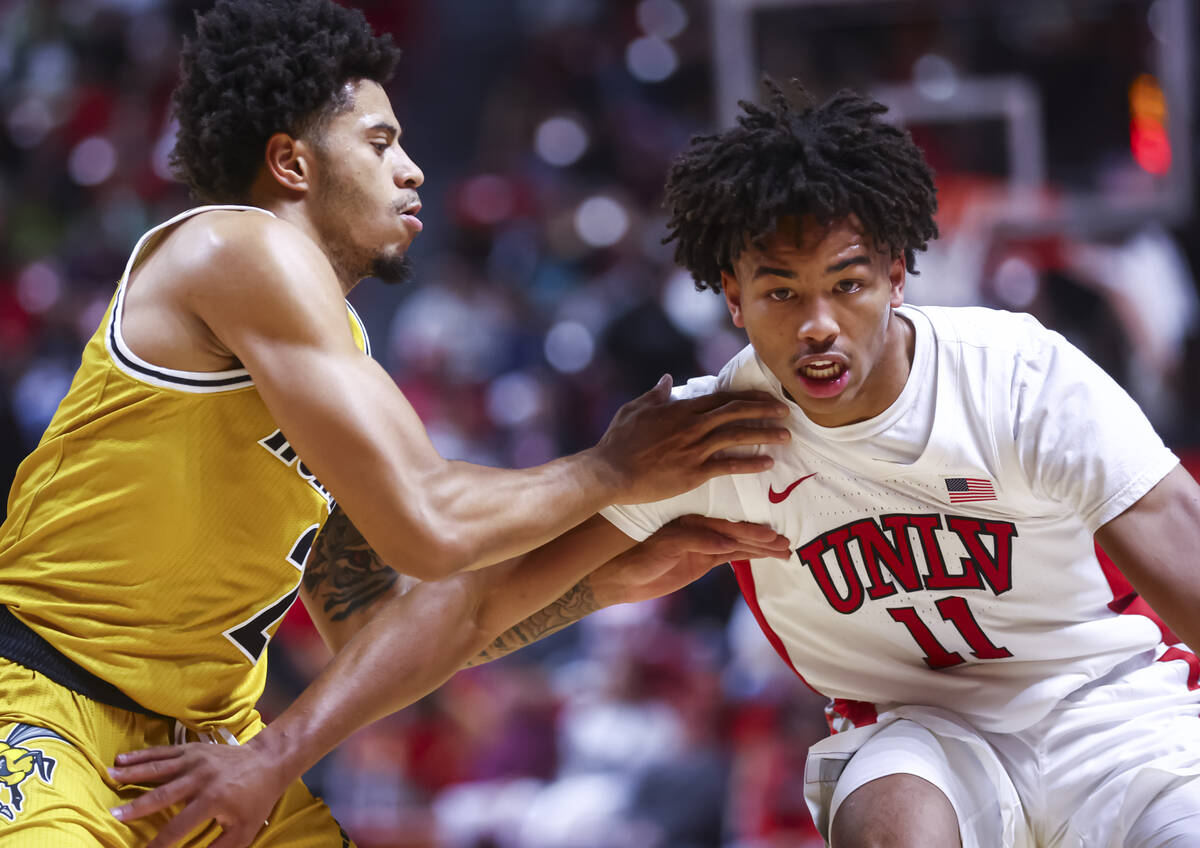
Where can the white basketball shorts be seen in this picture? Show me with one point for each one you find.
(1112, 766)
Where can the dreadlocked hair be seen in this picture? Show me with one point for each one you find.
(259, 67)
(829, 161)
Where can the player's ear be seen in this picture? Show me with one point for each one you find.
(733, 298)
(897, 274)
(289, 161)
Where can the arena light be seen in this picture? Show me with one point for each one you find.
(662, 18)
(1148, 138)
(650, 59)
(561, 140)
(601, 221)
(569, 347)
(39, 287)
(92, 161)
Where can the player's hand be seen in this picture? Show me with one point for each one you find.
(659, 448)
(234, 785)
(679, 553)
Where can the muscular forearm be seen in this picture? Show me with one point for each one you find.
(577, 602)
(408, 646)
(498, 514)
(413, 642)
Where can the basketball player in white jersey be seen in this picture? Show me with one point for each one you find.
(991, 683)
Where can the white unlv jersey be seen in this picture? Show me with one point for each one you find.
(943, 550)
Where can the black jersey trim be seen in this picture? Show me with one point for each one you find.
(194, 381)
(135, 366)
(115, 346)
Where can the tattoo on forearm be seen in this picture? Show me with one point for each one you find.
(343, 573)
(574, 605)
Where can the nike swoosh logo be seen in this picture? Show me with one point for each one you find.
(778, 497)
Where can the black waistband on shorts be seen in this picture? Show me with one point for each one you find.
(24, 647)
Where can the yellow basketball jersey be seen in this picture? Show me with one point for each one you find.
(158, 532)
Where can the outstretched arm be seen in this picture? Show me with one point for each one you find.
(402, 639)
(576, 603)
(344, 416)
(678, 554)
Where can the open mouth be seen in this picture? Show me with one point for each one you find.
(822, 369)
(823, 378)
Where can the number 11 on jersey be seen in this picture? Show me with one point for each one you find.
(955, 610)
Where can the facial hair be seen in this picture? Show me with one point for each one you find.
(392, 270)
(335, 194)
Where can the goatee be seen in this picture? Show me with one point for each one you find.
(392, 270)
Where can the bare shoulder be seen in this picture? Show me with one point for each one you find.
(211, 268)
(244, 269)
(224, 248)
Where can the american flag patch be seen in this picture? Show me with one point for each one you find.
(962, 489)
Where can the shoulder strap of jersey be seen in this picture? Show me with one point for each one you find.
(157, 375)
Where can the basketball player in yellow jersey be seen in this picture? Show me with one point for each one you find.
(160, 529)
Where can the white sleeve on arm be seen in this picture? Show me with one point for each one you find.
(639, 521)
(1082, 439)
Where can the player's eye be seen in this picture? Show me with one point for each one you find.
(848, 286)
(779, 295)
(380, 146)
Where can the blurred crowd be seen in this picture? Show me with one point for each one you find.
(544, 298)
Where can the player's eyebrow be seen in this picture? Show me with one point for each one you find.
(763, 270)
(860, 259)
(392, 130)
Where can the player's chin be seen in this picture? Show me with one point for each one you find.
(392, 267)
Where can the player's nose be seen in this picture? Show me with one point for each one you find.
(818, 324)
(408, 174)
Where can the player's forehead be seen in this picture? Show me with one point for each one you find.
(369, 108)
(803, 241)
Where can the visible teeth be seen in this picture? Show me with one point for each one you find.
(822, 369)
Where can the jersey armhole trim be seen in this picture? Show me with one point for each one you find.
(156, 375)
(362, 328)
(197, 382)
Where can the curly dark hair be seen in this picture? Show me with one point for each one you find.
(258, 67)
(782, 159)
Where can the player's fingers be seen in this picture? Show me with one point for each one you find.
(157, 799)
(731, 436)
(773, 546)
(162, 752)
(736, 556)
(680, 538)
(734, 465)
(662, 389)
(191, 817)
(152, 771)
(717, 400)
(735, 411)
(737, 530)
(754, 552)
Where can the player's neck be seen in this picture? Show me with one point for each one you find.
(296, 213)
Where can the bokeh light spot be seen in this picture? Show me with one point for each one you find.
(560, 141)
(92, 161)
(601, 221)
(650, 59)
(569, 347)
